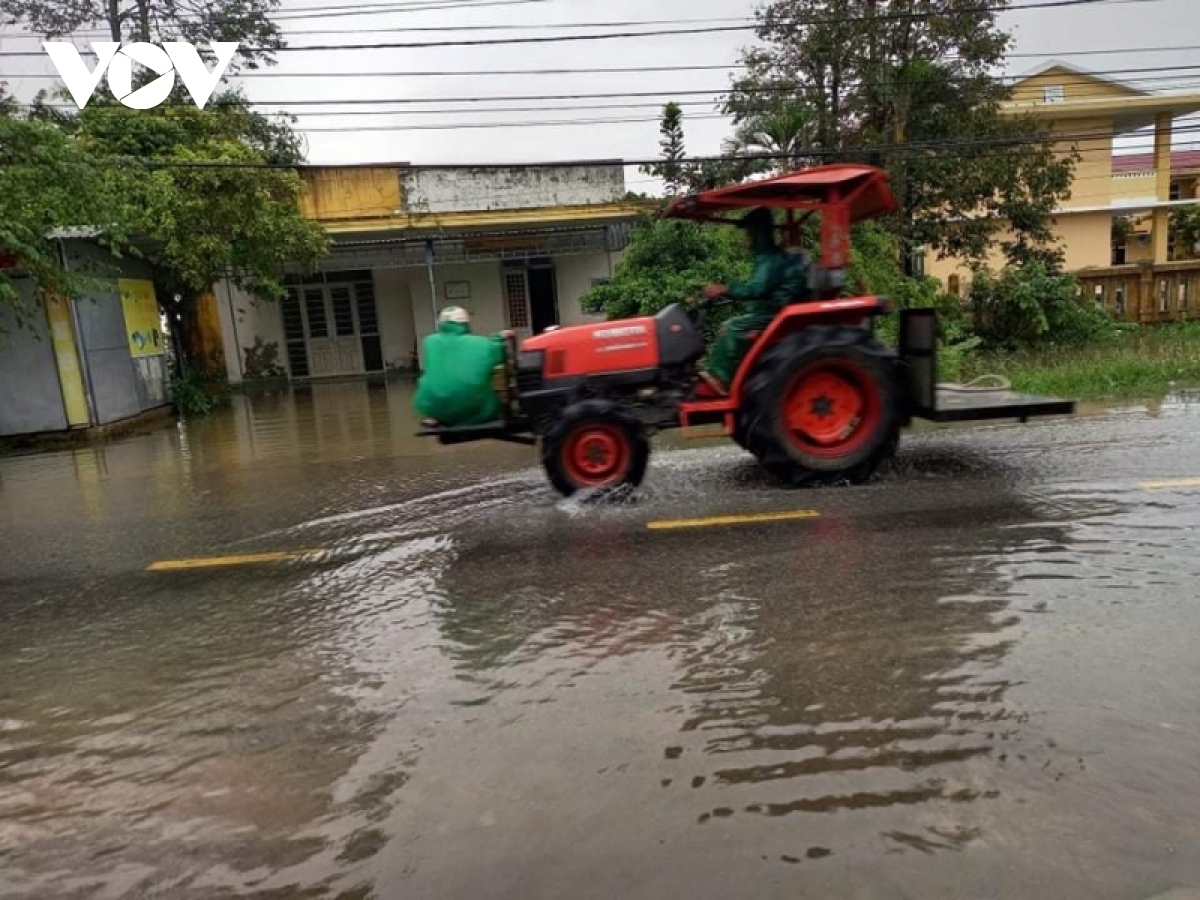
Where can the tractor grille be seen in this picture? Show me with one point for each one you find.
(529, 380)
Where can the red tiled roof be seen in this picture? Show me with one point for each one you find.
(1181, 161)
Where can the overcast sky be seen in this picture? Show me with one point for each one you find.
(1040, 35)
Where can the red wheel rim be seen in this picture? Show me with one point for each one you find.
(597, 455)
(831, 408)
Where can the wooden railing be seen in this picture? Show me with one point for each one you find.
(1146, 293)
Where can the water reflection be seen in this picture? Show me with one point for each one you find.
(853, 667)
(481, 692)
(326, 421)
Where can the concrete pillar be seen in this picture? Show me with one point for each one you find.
(1162, 167)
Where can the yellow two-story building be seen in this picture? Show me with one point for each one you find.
(1087, 114)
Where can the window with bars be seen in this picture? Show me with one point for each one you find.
(516, 296)
(314, 306)
(293, 334)
(368, 316)
(368, 326)
(343, 311)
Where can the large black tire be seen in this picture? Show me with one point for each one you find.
(595, 446)
(823, 406)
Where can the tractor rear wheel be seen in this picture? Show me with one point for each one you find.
(823, 406)
(595, 446)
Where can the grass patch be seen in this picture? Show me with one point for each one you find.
(1135, 363)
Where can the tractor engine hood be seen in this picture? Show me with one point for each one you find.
(580, 350)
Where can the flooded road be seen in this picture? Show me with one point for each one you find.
(976, 678)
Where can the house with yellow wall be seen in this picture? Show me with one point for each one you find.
(1087, 114)
(517, 246)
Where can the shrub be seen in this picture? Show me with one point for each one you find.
(666, 262)
(191, 394)
(1030, 306)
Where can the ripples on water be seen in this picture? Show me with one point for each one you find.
(482, 685)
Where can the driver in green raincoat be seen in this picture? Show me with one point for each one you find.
(779, 278)
(455, 388)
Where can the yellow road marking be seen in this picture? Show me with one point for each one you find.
(215, 562)
(1171, 483)
(718, 521)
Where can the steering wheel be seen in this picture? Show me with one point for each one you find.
(700, 308)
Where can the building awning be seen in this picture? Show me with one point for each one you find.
(352, 253)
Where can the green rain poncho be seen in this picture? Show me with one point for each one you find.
(456, 385)
(779, 278)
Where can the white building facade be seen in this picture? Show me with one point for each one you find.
(518, 247)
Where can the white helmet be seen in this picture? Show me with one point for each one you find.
(455, 314)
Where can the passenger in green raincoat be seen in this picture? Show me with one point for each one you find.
(779, 278)
(455, 388)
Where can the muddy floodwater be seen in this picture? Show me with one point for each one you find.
(374, 667)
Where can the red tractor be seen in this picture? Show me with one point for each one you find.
(818, 399)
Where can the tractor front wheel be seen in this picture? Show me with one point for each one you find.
(596, 447)
(822, 406)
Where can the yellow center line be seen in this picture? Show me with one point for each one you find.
(245, 559)
(1170, 484)
(718, 521)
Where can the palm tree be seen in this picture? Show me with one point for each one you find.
(786, 133)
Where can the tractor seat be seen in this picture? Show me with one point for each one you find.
(822, 282)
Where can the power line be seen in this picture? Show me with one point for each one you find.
(714, 29)
(484, 126)
(923, 147)
(623, 70)
(1186, 73)
(530, 26)
(1113, 52)
(389, 8)
(625, 35)
(365, 9)
(1183, 80)
(633, 70)
(1081, 77)
(534, 123)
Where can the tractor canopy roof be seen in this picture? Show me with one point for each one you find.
(862, 192)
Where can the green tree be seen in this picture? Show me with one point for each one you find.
(913, 88)
(213, 191)
(671, 168)
(1185, 226)
(195, 21)
(666, 262)
(682, 175)
(785, 131)
(669, 260)
(48, 184)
